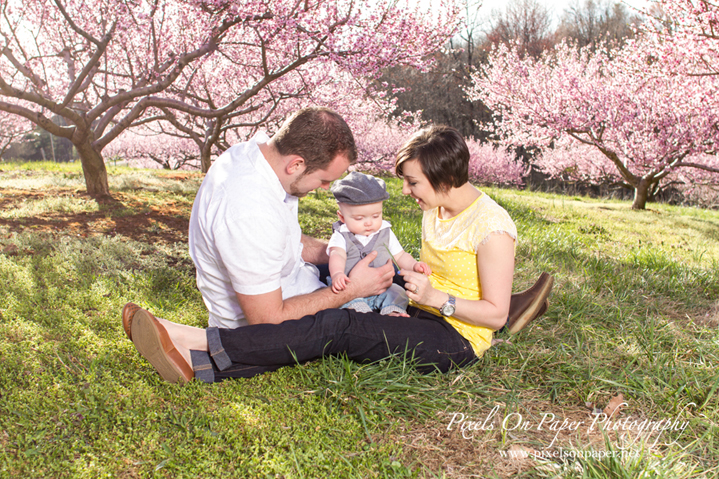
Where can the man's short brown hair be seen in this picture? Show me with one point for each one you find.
(317, 135)
(442, 154)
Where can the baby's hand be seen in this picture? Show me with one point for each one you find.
(420, 267)
(339, 282)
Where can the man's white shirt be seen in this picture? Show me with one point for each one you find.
(245, 236)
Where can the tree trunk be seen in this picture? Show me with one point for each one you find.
(205, 159)
(93, 167)
(641, 194)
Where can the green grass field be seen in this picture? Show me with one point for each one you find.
(635, 312)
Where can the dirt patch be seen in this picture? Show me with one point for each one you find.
(122, 214)
(711, 318)
(181, 175)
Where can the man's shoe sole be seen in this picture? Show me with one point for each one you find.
(128, 312)
(154, 344)
(535, 310)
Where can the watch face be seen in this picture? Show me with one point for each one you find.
(447, 309)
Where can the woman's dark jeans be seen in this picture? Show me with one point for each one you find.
(364, 337)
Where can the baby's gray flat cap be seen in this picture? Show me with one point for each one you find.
(359, 189)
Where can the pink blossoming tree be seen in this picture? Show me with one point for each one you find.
(647, 122)
(379, 141)
(686, 38)
(12, 128)
(365, 110)
(578, 163)
(146, 148)
(196, 64)
(493, 165)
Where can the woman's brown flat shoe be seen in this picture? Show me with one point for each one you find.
(530, 304)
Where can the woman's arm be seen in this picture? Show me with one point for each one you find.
(495, 265)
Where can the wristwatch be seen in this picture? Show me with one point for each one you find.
(448, 308)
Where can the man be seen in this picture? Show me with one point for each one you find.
(253, 263)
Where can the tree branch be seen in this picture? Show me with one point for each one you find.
(37, 81)
(39, 119)
(91, 64)
(623, 170)
(699, 166)
(180, 64)
(39, 100)
(72, 24)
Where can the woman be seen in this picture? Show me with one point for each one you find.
(466, 237)
(467, 240)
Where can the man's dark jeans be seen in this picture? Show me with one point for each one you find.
(364, 337)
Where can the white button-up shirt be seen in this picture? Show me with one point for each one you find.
(245, 236)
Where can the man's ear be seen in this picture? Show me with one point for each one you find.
(296, 163)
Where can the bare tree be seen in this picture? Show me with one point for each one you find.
(527, 22)
(463, 46)
(439, 94)
(593, 21)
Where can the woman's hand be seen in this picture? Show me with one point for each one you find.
(420, 290)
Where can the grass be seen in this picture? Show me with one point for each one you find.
(634, 311)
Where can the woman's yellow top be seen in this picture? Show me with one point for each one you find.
(449, 247)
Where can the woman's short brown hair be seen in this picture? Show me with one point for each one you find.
(442, 154)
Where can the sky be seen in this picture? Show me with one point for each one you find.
(556, 7)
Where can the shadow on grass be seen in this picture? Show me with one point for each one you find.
(708, 229)
(115, 216)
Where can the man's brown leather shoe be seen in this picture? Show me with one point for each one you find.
(530, 304)
(154, 344)
(128, 312)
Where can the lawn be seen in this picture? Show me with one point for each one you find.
(634, 312)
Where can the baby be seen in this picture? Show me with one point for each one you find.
(360, 231)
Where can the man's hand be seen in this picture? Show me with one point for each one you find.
(367, 281)
(339, 282)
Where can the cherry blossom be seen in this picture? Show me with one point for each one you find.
(493, 165)
(12, 128)
(197, 65)
(645, 120)
(686, 36)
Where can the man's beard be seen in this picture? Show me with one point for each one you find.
(293, 188)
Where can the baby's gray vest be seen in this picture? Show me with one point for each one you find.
(355, 250)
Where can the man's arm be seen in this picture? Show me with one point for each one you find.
(270, 308)
(314, 250)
